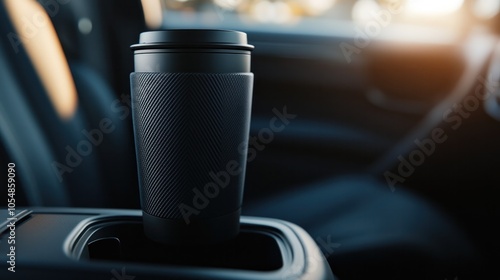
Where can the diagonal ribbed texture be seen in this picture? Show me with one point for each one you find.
(187, 125)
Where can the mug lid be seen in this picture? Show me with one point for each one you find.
(193, 38)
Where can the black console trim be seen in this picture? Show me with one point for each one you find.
(51, 242)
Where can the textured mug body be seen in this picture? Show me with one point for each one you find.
(191, 103)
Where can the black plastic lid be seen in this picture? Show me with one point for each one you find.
(193, 38)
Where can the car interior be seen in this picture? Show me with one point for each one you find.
(386, 167)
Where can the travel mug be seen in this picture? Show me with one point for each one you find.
(191, 101)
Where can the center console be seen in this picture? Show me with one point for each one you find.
(72, 243)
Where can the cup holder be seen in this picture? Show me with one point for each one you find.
(255, 248)
(110, 243)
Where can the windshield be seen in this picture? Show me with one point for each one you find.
(330, 16)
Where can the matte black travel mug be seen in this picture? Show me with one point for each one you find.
(191, 101)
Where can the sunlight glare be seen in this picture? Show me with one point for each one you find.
(486, 9)
(433, 7)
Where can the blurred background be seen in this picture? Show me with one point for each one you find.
(365, 78)
(287, 16)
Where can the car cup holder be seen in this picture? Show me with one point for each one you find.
(256, 248)
(73, 243)
(264, 249)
